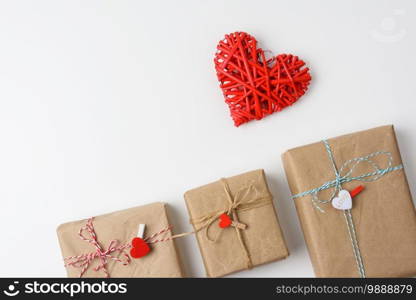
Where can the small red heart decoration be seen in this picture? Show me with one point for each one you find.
(254, 86)
(225, 221)
(139, 248)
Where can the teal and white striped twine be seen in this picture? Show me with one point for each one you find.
(336, 184)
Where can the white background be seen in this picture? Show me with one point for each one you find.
(105, 105)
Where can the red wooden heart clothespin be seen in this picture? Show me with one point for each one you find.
(226, 221)
(139, 247)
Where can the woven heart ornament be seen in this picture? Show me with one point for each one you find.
(255, 86)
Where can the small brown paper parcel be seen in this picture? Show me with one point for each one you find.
(377, 236)
(255, 236)
(121, 227)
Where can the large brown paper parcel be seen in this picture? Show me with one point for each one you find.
(162, 260)
(383, 213)
(262, 241)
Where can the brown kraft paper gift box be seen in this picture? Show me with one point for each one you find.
(228, 250)
(161, 261)
(383, 215)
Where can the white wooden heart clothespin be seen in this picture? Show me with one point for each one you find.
(344, 199)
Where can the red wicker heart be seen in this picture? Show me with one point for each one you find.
(254, 86)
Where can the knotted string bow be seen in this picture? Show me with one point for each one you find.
(336, 184)
(83, 261)
(245, 199)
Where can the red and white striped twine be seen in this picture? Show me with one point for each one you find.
(150, 239)
(83, 261)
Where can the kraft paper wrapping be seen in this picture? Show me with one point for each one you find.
(383, 213)
(263, 237)
(162, 261)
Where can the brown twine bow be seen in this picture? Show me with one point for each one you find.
(243, 200)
